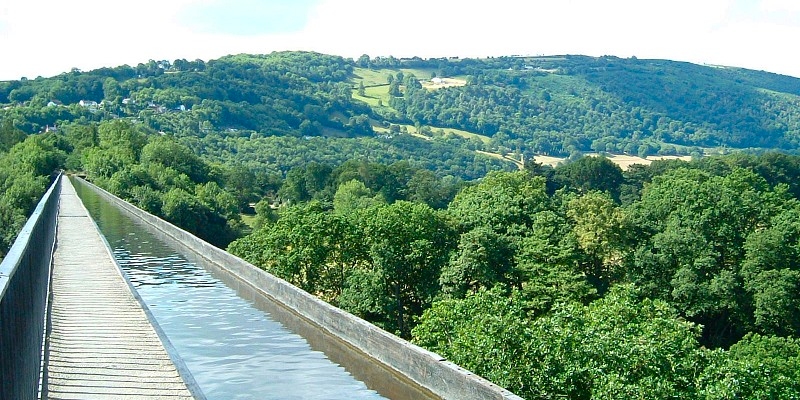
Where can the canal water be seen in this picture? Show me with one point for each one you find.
(236, 343)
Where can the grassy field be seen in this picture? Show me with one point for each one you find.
(249, 220)
(464, 134)
(413, 132)
(623, 160)
(502, 157)
(375, 77)
(458, 132)
(376, 85)
(547, 160)
(375, 96)
(443, 83)
(371, 77)
(379, 77)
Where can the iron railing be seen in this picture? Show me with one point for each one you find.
(24, 286)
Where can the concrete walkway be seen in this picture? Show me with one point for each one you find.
(102, 345)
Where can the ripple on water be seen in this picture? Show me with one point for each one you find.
(233, 349)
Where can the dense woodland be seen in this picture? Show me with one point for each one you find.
(26, 167)
(674, 280)
(243, 107)
(677, 279)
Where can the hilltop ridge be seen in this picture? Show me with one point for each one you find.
(516, 106)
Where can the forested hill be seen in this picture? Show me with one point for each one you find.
(375, 184)
(562, 104)
(558, 106)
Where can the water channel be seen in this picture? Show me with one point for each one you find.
(236, 342)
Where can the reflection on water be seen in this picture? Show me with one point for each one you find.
(234, 349)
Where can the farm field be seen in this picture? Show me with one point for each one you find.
(623, 160)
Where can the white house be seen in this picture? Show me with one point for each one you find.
(88, 103)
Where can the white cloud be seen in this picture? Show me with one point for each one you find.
(47, 37)
(95, 33)
(780, 6)
(439, 28)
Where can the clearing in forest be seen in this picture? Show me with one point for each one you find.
(623, 160)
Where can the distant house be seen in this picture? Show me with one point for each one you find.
(437, 81)
(54, 103)
(88, 103)
(127, 101)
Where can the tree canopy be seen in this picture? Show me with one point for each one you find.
(405, 202)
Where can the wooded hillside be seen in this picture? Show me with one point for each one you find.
(385, 187)
(558, 106)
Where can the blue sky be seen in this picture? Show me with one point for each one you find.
(247, 17)
(47, 37)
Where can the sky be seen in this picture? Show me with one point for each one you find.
(48, 37)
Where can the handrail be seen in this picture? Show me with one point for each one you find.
(24, 287)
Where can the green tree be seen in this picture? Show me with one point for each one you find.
(618, 346)
(691, 230)
(218, 200)
(353, 196)
(547, 265)
(304, 183)
(408, 245)
(503, 201)
(111, 90)
(308, 247)
(599, 227)
(394, 88)
(9, 135)
(146, 198)
(80, 137)
(36, 155)
(487, 333)
(123, 181)
(425, 187)
(169, 153)
(24, 175)
(20, 190)
(365, 295)
(265, 214)
(483, 259)
(757, 367)
(99, 163)
(771, 275)
(363, 61)
(361, 89)
(243, 183)
(591, 173)
(293, 190)
(122, 136)
(185, 210)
